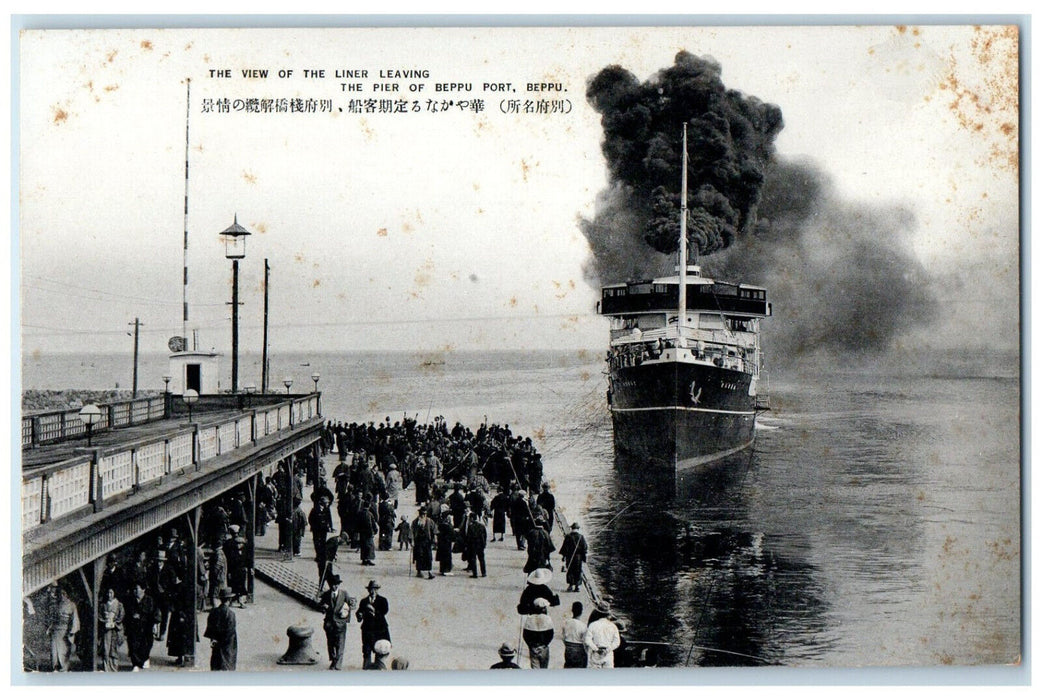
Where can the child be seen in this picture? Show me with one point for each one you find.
(404, 535)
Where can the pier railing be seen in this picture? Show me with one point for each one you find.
(55, 426)
(85, 482)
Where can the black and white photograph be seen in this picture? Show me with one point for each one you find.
(557, 349)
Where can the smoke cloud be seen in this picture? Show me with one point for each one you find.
(730, 139)
(841, 277)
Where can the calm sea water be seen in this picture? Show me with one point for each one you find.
(876, 522)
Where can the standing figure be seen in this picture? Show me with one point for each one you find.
(368, 528)
(423, 534)
(220, 630)
(476, 538)
(140, 620)
(540, 547)
(602, 639)
(548, 503)
(573, 554)
(372, 613)
(337, 606)
(538, 632)
(404, 535)
(446, 539)
(64, 624)
(500, 505)
(574, 636)
(387, 516)
(110, 618)
(320, 520)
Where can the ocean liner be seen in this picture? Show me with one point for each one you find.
(684, 365)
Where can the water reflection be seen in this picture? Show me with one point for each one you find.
(686, 568)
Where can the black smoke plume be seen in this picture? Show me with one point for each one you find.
(841, 276)
(730, 138)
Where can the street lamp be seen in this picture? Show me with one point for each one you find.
(314, 378)
(190, 397)
(166, 383)
(235, 250)
(90, 414)
(288, 381)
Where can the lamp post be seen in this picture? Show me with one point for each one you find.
(235, 250)
(288, 381)
(248, 390)
(190, 397)
(166, 383)
(90, 414)
(314, 378)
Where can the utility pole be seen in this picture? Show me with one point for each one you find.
(264, 353)
(137, 325)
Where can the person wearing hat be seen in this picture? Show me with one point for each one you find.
(506, 656)
(538, 586)
(381, 650)
(336, 604)
(538, 631)
(220, 630)
(573, 553)
(423, 534)
(372, 613)
(602, 638)
(446, 540)
(548, 503)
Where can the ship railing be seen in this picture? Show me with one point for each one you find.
(99, 475)
(47, 427)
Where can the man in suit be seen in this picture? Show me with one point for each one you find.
(337, 606)
(476, 537)
(372, 613)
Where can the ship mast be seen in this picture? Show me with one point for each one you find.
(682, 305)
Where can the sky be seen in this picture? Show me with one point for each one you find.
(460, 229)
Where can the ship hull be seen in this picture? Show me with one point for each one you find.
(675, 417)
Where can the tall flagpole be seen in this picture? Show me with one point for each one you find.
(682, 305)
(184, 284)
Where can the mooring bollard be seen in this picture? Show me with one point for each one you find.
(300, 652)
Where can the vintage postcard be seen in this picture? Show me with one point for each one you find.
(462, 348)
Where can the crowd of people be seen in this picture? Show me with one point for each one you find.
(469, 486)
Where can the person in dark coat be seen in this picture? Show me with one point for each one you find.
(220, 630)
(500, 505)
(321, 522)
(446, 539)
(300, 521)
(520, 517)
(140, 620)
(540, 547)
(387, 517)
(372, 613)
(537, 586)
(476, 537)
(336, 604)
(573, 554)
(548, 503)
(423, 534)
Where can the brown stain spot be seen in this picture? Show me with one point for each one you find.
(585, 375)
(298, 257)
(540, 433)
(111, 88)
(111, 56)
(317, 283)
(60, 115)
(901, 29)
(382, 233)
(146, 45)
(249, 177)
(525, 167)
(990, 106)
(512, 302)
(260, 227)
(188, 46)
(407, 227)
